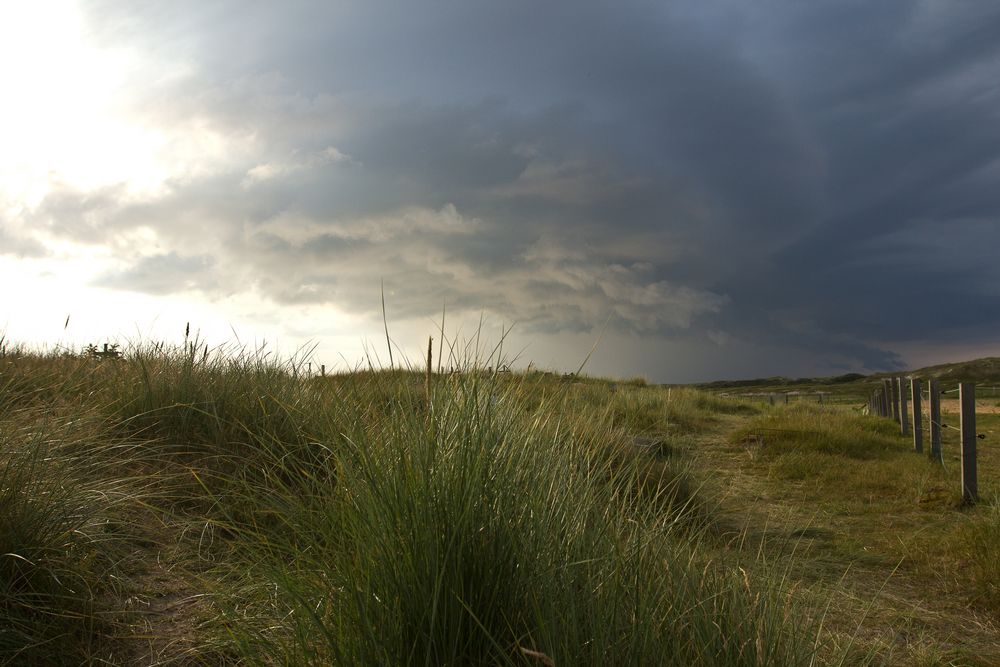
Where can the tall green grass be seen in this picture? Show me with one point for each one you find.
(60, 543)
(478, 532)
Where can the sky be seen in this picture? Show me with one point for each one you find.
(704, 190)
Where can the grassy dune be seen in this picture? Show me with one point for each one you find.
(175, 508)
(172, 507)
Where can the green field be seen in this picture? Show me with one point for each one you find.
(173, 507)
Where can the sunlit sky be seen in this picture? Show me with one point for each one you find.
(712, 189)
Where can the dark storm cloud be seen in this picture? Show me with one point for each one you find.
(772, 173)
(907, 108)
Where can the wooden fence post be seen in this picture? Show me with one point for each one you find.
(894, 390)
(934, 396)
(967, 406)
(904, 417)
(887, 395)
(918, 416)
(883, 402)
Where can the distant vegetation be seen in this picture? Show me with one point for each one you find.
(178, 506)
(782, 381)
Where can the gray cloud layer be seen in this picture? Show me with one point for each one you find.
(819, 177)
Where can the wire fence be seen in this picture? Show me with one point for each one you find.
(901, 399)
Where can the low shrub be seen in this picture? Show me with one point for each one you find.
(808, 428)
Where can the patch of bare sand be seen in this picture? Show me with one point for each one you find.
(167, 604)
(983, 407)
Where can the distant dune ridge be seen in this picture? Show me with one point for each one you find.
(985, 371)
